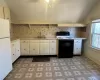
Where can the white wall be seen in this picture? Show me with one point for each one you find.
(2, 3)
(91, 53)
(23, 31)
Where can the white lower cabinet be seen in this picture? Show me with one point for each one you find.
(34, 48)
(53, 47)
(44, 48)
(77, 46)
(15, 48)
(24, 47)
(38, 47)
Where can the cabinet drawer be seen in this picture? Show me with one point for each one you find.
(24, 41)
(44, 41)
(34, 41)
(77, 45)
(78, 41)
(52, 41)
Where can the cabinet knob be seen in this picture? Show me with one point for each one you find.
(13, 54)
(24, 49)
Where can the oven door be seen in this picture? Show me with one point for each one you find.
(65, 48)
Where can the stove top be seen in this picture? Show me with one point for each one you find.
(63, 37)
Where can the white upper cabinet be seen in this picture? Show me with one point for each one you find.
(1, 12)
(4, 13)
(4, 28)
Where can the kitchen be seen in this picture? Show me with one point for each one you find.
(44, 40)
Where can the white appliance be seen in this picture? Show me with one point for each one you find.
(5, 49)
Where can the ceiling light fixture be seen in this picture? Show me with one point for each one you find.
(47, 1)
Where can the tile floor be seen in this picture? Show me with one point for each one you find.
(77, 68)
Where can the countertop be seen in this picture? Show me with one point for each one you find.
(42, 38)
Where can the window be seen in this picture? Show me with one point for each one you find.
(95, 35)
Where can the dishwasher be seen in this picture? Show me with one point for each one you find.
(65, 48)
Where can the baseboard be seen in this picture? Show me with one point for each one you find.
(31, 56)
(77, 55)
(91, 58)
(15, 60)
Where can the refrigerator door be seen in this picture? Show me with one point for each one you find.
(5, 58)
(4, 28)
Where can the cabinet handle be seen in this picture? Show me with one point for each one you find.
(33, 49)
(24, 49)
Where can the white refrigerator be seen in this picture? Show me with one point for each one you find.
(5, 49)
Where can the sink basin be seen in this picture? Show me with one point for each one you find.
(41, 37)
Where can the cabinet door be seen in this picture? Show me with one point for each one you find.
(17, 46)
(1, 12)
(77, 51)
(6, 13)
(4, 28)
(34, 48)
(24, 48)
(52, 48)
(13, 50)
(77, 47)
(44, 48)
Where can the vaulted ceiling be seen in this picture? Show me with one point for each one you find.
(54, 11)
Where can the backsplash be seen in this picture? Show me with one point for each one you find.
(23, 31)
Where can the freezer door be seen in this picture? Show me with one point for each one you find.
(5, 58)
(4, 28)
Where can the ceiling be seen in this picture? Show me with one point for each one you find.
(56, 11)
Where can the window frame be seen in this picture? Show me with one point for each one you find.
(93, 33)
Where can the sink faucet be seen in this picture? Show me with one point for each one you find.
(40, 35)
